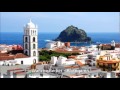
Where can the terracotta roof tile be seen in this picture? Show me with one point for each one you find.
(4, 56)
(20, 55)
(79, 63)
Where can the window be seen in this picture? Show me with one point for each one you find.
(21, 62)
(93, 64)
(26, 53)
(34, 53)
(34, 61)
(26, 47)
(34, 46)
(26, 40)
(33, 39)
(33, 32)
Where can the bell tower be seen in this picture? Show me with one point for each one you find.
(30, 40)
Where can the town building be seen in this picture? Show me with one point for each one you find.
(54, 44)
(108, 61)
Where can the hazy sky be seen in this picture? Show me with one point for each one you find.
(58, 21)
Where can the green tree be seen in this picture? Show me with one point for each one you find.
(43, 58)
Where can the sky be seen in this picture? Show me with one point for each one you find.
(58, 21)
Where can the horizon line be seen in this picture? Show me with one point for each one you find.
(60, 32)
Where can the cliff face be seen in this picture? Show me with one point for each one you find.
(73, 34)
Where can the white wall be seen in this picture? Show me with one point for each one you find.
(108, 75)
(69, 62)
(58, 44)
(53, 60)
(117, 49)
(82, 61)
(6, 62)
(50, 45)
(26, 61)
(61, 60)
(69, 49)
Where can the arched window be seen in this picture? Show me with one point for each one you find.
(34, 46)
(26, 40)
(34, 61)
(33, 39)
(26, 53)
(34, 53)
(33, 32)
(26, 47)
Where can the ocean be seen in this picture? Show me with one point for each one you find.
(11, 38)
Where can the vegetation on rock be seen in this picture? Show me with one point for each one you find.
(73, 34)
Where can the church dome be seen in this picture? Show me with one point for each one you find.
(30, 25)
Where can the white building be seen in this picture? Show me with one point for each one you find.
(69, 49)
(113, 43)
(61, 61)
(53, 60)
(5, 48)
(52, 45)
(31, 40)
(9, 60)
(83, 48)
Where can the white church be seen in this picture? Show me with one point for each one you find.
(31, 41)
(30, 44)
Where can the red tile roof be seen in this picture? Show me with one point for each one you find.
(4, 56)
(79, 63)
(15, 69)
(20, 72)
(20, 55)
(117, 45)
(65, 51)
(72, 56)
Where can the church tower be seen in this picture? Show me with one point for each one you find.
(30, 40)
